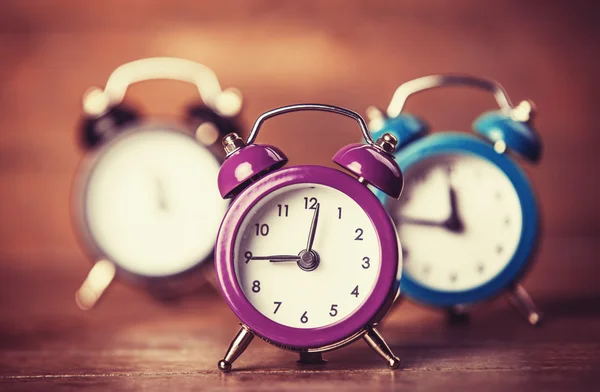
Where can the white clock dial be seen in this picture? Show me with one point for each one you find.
(461, 251)
(151, 203)
(345, 241)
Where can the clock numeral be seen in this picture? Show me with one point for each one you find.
(355, 292)
(277, 307)
(339, 212)
(359, 236)
(304, 319)
(248, 256)
(282, 209)
(333, 312)
(256, 286)
(262, 229)
(312, 201)
(367, 263)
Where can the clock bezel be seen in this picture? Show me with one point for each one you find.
(462, 143)
(158, 284)
(372, 309)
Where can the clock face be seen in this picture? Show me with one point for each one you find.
(459, 221)
(323, 285)
(151, 204)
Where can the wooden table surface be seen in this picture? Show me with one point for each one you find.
(132, 342)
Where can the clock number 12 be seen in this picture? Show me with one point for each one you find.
(310, 204)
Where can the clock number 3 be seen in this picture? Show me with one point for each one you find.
(367, 263)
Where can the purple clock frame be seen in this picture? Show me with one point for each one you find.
(301, 338)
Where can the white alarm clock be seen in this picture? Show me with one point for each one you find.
(145, 200)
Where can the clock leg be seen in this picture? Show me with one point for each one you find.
(97, 280)
(375, 340)
(457, 315)
(307, 358)
(523, 303)
(237, 347)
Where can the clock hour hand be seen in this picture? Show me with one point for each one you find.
(421, 222)
(277, 258)
(160, 191)
(313, 228)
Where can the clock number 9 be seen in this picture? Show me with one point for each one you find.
(248, 256)
(304, 319)
(256, 286)
(262, 229)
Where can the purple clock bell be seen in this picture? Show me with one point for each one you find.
(306, 256)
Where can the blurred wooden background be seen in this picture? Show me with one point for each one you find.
(349, 53)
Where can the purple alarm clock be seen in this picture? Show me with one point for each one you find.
(307, 257)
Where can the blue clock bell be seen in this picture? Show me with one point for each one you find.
(468, 218)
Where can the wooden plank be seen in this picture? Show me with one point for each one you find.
(131, 341)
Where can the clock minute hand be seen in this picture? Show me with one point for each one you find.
(277, 258)
(313, 228)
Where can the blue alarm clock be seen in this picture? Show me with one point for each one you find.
(468, 218)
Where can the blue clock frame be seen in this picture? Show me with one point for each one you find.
(462, 143)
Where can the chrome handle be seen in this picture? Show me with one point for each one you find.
(226, 102)
(306, 107)
(428, 82)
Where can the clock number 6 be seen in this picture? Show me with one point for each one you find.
(256, 286)
(304, 319)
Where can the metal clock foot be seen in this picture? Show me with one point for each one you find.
(307, 358)
(523, 303)
(97, 280)
(237, 347)
(458, 315)
(375, 340)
